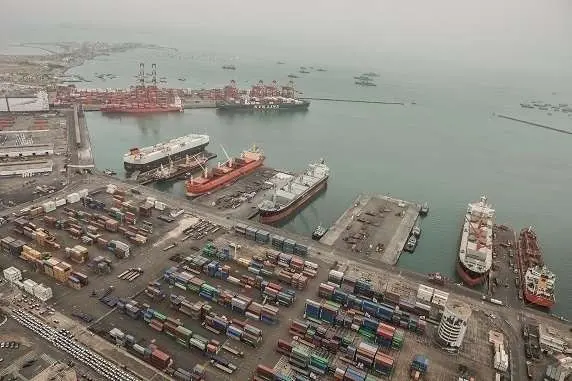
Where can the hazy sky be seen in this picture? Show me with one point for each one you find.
(485, 28)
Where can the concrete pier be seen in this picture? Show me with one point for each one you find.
(375, 226)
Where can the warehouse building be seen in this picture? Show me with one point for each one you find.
(26, 150)
(25, 102)
(26, 168)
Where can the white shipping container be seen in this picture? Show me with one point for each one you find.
(111, 188)
(29, 286)
(160, 205)
(43, 293)
(49, 206)
(60, 202)
(12, 274)
(72, 198)
(83, 192)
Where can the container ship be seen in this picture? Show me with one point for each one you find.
(294, 193)
(537, 280)
(475, 250)
(231, 170)
(263, 98)
(144, 159)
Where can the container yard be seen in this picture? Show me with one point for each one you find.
(240, 199)
(376, 226)
(176, 290)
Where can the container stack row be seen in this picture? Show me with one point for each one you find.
(154, 356)
(278, 242)
(368, 327)
(303, 357)
(383, 311)
(226, 298)
(264, 373)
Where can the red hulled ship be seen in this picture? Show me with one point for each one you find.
(224, 173)
(537, 280)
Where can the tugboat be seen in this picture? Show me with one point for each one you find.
(416, 231)
(424, 210)
(319, 232)
(109, 172)
(411, 244)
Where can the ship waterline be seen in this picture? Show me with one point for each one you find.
(143, 159)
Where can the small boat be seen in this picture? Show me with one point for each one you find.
(182, 79)
(362, 78)
(280, 63)
(109, 172)
(424, 210)
(437, 278)
(304, 72)
(292, 76)
(229, 67)
(416, 231)
(319, 232)
(371, 74)
(320, 69)
(411, 244)
(365, 83)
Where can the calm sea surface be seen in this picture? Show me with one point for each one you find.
(444, 146)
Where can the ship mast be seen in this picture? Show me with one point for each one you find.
(228, 158)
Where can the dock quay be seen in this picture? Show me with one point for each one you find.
(354, 101)
(503, 282)
(374, 225)
(177, 169)
(241, 198)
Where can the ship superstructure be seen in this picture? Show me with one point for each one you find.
(294, 193)
(153, 156)
(537, 280)
(225, 173)
(475, 250)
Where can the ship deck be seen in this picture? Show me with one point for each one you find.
(374, 222)
(240, 199)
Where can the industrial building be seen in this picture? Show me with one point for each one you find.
(453, 325)
(500, 355)
(26, 150)
(26, 168)
(25, 102)
(551, 340)
(561, 370)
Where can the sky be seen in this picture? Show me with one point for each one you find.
(485, 30)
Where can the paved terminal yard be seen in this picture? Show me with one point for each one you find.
(504, 282)
(31, 144)
(186, 235)
(27, 357)
(374, 226)
(241, 198)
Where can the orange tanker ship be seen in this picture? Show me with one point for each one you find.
(231, 170)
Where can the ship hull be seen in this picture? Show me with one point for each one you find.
(469, 278)
(130, 167)
(195, 190)
(536, 300)
(274, 216)
(231, 107)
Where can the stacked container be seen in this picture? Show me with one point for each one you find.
(312, 309)
(12, 274)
